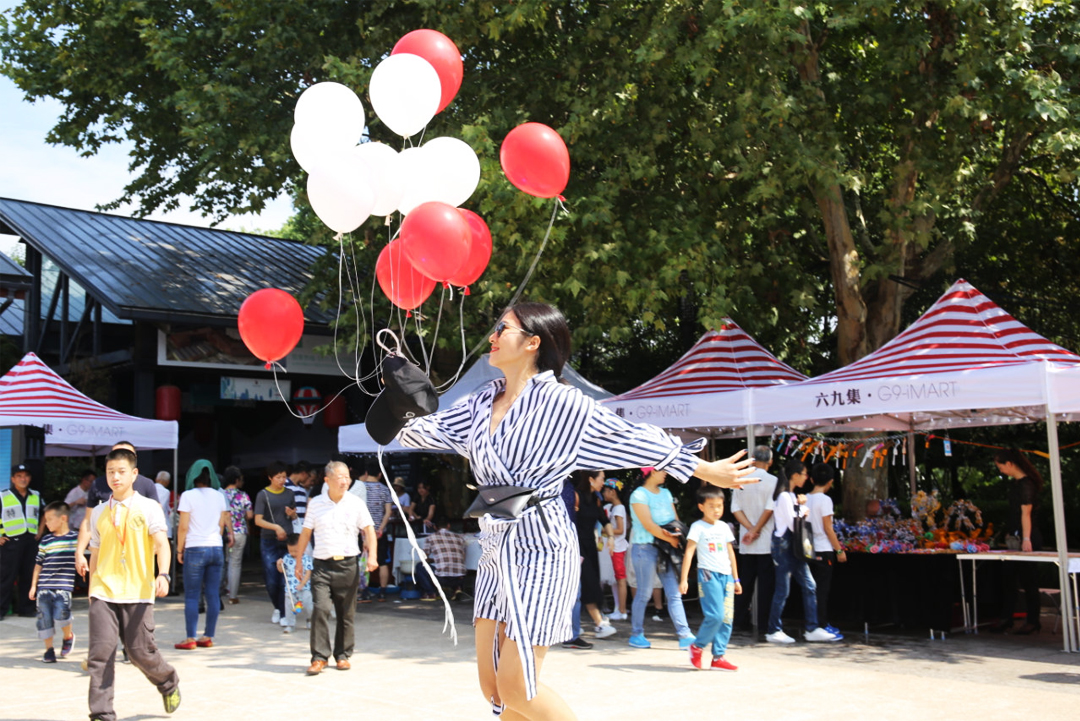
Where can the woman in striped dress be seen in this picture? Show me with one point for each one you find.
(528, 429)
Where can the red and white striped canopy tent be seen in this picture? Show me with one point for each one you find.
(32, 394)
(964, 362)
(709, 386)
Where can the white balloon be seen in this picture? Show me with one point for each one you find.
(415, 169)
(341, 195)
(453, 170)
(387, 179)
(334, 112)
(310, 149)
(405, 93)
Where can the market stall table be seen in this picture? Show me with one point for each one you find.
(404, 556)
(971, 616)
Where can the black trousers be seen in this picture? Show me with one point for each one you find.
(1016, 575)
(821, 568)
(17, 573)
(755, 568)
(333, 583)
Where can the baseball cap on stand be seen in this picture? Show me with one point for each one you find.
(408, 393)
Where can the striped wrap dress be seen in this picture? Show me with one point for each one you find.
(527, 576)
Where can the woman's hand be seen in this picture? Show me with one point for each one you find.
(684, 586)
(670, 538)
(728, 472)
(280, 533)
(1025, 545)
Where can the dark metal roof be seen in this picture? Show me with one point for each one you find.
(14, 279)
(9, 267)
(150, 270)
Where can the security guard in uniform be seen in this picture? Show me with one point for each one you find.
(20, 516)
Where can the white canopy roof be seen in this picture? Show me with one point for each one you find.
(355, 439)
(709, 386)
(32, 394)
(964, 362)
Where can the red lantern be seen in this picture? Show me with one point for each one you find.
(333, 415)
(479, 250)
(435, 238)
(307, 402)
(535, 159)
(443, 55)
(405, 286)
(271, 323)
(167, 403)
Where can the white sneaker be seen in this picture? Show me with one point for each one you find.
(275, 617)
(287, 629)
(285, 621)
(820, 634)
(605, 630)
(779, 637)
(616, 616)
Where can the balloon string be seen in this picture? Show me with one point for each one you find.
(464, 352)
(274, 366)
(521, 288)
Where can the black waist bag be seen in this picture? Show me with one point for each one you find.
(506, 501)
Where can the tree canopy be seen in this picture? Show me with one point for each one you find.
(799, 166)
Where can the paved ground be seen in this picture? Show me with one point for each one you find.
(404, 669)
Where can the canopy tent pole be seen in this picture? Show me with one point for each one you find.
(1069, 634)
(911, 459)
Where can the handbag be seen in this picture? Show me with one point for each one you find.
(506, 501)
(802, 538)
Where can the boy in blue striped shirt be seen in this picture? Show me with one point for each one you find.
(54, 579)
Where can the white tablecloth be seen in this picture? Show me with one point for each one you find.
(404, 556)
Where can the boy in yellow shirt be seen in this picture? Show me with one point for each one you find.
(125, 536)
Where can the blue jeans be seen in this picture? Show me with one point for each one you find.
(788, 567)
(53, 607)
(202, 565)
(644, 557)
(275, 582)
(575, 615)
(718, 605)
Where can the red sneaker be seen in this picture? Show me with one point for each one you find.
(695, 656)
(721, 662)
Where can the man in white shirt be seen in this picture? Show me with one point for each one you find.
(752, 507)
(335, 520)
(163, 479)
(76, 498)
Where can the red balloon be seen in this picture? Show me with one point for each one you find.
(443, 55)
(535, 159)
(435, 238)
(271, 323)
(479, 250)
(406, 287)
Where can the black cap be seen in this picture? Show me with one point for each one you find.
(19, 468)
(408, 394)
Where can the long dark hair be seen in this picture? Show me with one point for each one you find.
(583, 486)
(783, 476)
(548, 323)
(1018, 459)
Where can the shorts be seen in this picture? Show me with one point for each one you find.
(382, 549)
(618, 562)
(53, 607)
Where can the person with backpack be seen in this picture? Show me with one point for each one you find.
(789, 513)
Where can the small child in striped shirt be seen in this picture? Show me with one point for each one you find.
(54, 580)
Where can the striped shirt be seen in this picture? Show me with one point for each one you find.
(527, 576)
(336, 526)
(378, 495)
(56, 556)
(300, 495)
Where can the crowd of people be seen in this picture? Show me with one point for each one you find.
(323, 530)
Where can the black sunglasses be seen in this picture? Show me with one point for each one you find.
(503, 325)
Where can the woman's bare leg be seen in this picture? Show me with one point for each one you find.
(594, 612)
(486, 629)
(546, 705)
(620, 597)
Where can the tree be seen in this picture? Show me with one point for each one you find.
(799, 166)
